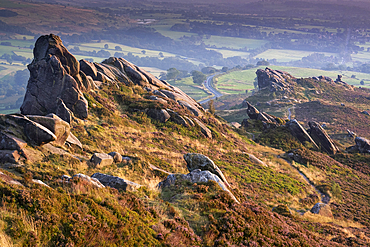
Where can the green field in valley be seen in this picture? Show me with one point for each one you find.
(193, 90)
(287, 55)
(230, 53)
(238, 81)
(234, 43)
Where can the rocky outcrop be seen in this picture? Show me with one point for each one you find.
(55, 84)
(199, 161)
(177, 118)
(99, 160)
(23, 129)
(274, 80)
(56, 125)
(118, 70)
(362, 144)
(245, 123)
(10, 142)
(321, 138)
(300, 133)
(9, 156)
(252, 111)
(196, 176)
(116, 182)
(322, 209)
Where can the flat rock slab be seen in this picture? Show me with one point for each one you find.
(10, 142)
(92, 181)
(55, 124)
(9, 180)
(101, 159)
(116, 182)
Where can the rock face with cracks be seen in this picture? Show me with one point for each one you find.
(55, 84)
(274, 80)
(320, 136)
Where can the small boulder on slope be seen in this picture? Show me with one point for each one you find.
(196, 176)
(199, 161)
(116, 182)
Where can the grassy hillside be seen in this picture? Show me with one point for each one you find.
(186, 214)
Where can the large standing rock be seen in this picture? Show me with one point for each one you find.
(101, 159)
(363, 144)
(116, 182)
(274, 80)
(196, 176)
(252, 111)
(55, 124)
(54, 85)
(199, 161)
(322, 209)
(299, 132)
(320, 136)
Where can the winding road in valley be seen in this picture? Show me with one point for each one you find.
(208, 84)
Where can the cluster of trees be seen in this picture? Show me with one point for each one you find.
(10, 58)
(159, 62)
(102, 53)
(14, 84)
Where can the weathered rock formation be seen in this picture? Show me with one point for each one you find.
(274, 80)
(55, 84)
(300, 133)
(25, 130)
(321, 138)
(58, 82)
(362, 144)
(252, 111)
(56, 125)
(199, 161)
